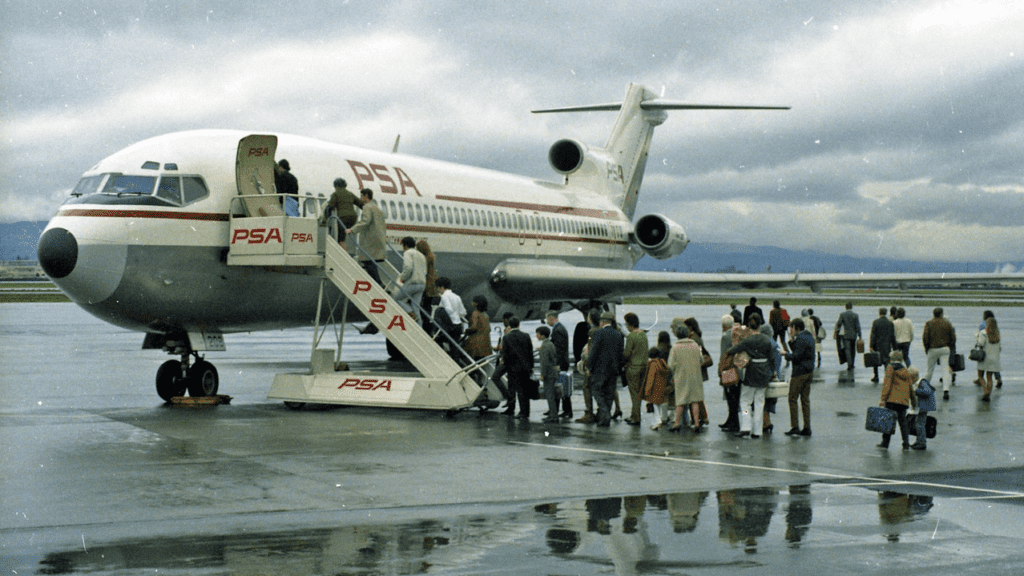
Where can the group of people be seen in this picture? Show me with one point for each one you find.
(892, 332)
(670, 376)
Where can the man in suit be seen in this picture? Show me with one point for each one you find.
(752, 308)
(517, 356)
(882, 340)
(560, 338)
(847, 333)
(604, 360)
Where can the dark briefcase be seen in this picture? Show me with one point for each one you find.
(880, 420)
(956, 362)
(872, 359)
(930, 425)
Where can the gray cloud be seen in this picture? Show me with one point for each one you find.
(905, 115)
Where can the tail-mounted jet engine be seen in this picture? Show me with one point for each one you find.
(586, 166)
(660, 237)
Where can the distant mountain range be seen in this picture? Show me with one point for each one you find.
(18, 241)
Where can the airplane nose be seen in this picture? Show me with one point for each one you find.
(57, 252)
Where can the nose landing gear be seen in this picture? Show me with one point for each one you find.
(174, 377)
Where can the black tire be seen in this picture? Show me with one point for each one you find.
(202, 379)
(169, 382)
(294, 405)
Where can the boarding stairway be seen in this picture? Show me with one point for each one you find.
(442, 384)
(262, 234)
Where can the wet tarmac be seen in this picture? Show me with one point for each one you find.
(98, 476)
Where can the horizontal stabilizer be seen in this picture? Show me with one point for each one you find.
(656, 104)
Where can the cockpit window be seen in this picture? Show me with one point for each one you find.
(126, 185)
(87, 185)
(169, 189)
(162, 190)
(195, 189)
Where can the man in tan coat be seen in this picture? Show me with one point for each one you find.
(372, 230)
(939, 339)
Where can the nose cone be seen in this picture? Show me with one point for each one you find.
(57, 252)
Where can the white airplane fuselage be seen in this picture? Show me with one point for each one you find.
(157, 262)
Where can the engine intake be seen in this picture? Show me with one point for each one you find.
(566, 156)
(660, 237)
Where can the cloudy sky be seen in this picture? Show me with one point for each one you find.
(904, 139)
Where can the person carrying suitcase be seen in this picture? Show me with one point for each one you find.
(898, 395)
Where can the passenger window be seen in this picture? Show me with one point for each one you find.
(433, 212)
(194, 189)
(419, 213)
(401, 210)
(169, 190)
(394, 211)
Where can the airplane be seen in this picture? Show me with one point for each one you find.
(147, 238)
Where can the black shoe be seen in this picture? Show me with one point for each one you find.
(566, 415)
(999, 383)
(805, 432)
(883, 446)
(906, 446)
(768, 430)
(617, 414)
(754, 436)
(918, 446)
(675, 428)
(742, 434)
(522, 416)
(550, 420)
(733, 428)
(633, 422)
(945, 395)
(793, 432)
(508, 412)
(875, 380)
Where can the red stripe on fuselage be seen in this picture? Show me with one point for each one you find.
(158, 214)
(564, 210)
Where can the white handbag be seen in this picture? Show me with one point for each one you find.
(777, 390)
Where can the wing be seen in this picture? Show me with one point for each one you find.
(531, 280)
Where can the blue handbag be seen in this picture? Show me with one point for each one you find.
(924, 389)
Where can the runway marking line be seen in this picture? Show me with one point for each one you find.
(859, 480)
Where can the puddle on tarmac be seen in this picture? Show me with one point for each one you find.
(653, 534)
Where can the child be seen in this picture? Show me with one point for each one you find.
(897, 395)
(549, 372)
(925, 404)
(656, 381)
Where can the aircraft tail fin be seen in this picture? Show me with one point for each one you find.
(617, 169)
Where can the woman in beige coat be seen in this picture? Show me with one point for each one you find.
(684, 361)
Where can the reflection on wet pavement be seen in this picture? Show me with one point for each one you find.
(769, 528)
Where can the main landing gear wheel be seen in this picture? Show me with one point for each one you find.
(202, 379)
(169, 382)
